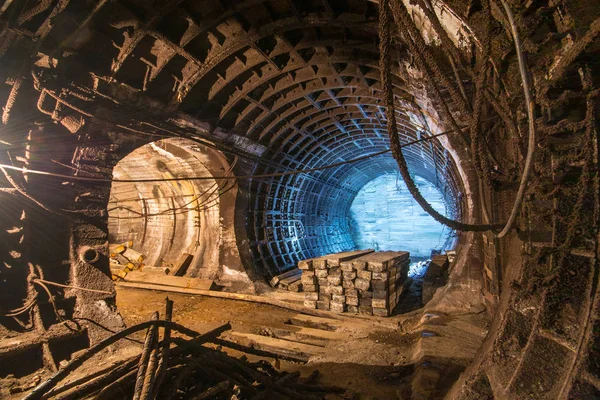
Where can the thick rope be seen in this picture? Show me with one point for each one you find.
(386, 84)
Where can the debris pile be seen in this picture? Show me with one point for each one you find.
(174, 368)
(124, 259)
(368, 283)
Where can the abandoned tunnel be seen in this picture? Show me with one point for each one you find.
(402, 195)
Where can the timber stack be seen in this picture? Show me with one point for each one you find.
(364, 282)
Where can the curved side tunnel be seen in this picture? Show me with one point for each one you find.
(165, 217)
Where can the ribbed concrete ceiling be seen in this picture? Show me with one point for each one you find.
(300, 78)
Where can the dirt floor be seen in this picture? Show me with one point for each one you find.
(411, 355)
(405, 356)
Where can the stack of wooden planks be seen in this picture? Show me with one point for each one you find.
(289, 281)
(367, 283)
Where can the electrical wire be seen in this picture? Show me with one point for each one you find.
(231, 177)
(530, 115)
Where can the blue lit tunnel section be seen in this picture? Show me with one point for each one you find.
(385, 216)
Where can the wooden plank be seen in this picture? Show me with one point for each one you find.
(182, 265)
(270, 300)
(336, 258)
(167, 280)
(285, 275)
(299, 351)
(310, 321)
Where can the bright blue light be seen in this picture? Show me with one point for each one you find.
(385, 216)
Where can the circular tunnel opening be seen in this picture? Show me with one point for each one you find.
(160, 219)
(384, 216)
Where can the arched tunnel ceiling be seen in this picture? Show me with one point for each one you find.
(300, 78)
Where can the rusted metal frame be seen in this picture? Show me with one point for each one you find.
(266, 30)
(149, 25)
(298, 94)
(268, 74)
(276, 135)
(292, 97)
(353, 84)
(289, 124)
(299, 80)
(315, 122)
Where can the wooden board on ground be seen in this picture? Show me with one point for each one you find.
(168, 280)
(299, 351)
(302, 334)
(282, 277)
(310, 321)
(182, 265)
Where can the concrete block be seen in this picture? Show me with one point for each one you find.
(364, 309)
(310, 304)
(309, 288)
(338, 298)
(349, 274)
(346, 266)
(381, 312)
(323, 305)
(321, 273)
(362, 284)
(364, 275)
(381, 275)
(313, 296)
(305, 265)
(336, 289)
(324, 297)
(334, 280)
(352, 301)
(379, 285)
(379, 303)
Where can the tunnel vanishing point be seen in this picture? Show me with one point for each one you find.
(241, 131)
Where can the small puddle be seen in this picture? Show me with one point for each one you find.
(428, 334)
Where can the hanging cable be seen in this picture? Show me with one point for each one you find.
(196, 178)
(530, 115)
(386, 84)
